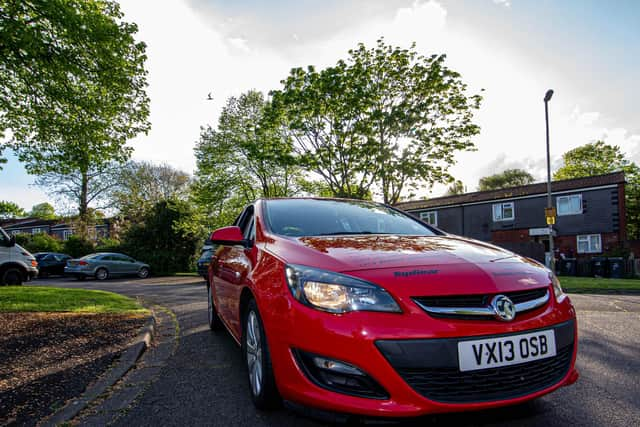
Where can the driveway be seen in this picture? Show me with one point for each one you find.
(204, 382)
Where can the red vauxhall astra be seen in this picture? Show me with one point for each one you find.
(354, 307)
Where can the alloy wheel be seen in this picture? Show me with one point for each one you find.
(254, 352)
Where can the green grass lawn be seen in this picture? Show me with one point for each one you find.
(595, 285)
(36, 299)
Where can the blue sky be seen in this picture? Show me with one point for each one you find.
(587, 51)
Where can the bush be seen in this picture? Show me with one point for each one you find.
(77, 246)
(109, 245)
(162, 240)
(40, 242)
(43, 242)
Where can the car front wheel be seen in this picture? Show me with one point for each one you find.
(143, 273)
(264, 392)
(12, 277)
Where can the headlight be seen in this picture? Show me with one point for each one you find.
(557, 289)
(337, 293)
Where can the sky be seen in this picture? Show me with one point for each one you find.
(587, 51)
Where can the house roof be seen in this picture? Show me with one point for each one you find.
(26, 222)
(509, 193)
(55, 224)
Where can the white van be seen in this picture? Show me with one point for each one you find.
(17, 265)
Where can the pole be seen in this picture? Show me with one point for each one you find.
(552, 260)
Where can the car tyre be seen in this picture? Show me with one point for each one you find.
(143, 273)
(102, 273)
(215, 324)
(255, 350)
(12, 276)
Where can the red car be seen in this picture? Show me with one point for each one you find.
(354, 307)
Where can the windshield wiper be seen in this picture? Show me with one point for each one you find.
(348, 233)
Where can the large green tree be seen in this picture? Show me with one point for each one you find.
(386, 120)
(506, 179)
(43, 211)
(141, 185)
(245, 157)
(600, 158)
(73, 85)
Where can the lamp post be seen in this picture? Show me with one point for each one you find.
(552, 261)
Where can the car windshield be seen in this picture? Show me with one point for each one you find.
(318, 217)
(90, 256)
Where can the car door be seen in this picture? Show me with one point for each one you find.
(110, 263)
(231, 269)
(130, 265)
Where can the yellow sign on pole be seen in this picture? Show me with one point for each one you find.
(550, 214)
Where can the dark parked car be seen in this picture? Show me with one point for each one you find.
(51, 263)
(204, 261)
(104, 265)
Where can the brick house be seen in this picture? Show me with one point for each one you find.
(590, 221)
(60, 229)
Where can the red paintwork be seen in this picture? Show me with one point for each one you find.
(464, 266)
(229, 234)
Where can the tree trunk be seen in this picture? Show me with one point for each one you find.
(83, 207)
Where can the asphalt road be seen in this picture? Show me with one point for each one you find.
(204, 382)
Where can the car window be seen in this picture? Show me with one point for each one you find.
(318, 217)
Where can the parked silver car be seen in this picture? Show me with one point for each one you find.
(103, 265)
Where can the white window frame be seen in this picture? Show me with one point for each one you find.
(501, 206)
(37, 230)
(425, 216)
(587, 238)
(579, 196)
(66, 234)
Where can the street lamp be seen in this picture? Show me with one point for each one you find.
(552, 261)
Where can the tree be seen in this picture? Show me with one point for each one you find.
(599, 158)
(506, 179)
(43, 211)
(165, 239)
(91, 189)
(457, 187)
(140, 185)
(73, 86)
(10, 210)
(246, 157)
(386, 120)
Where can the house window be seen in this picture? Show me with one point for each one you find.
(569, 205)
(430, 217)
(37, 230)
(589, 244)
(503, 212)
(66, 234)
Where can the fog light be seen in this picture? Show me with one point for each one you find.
(338, 376)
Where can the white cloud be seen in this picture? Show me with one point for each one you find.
(505, 3)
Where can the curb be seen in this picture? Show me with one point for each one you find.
(125, 362)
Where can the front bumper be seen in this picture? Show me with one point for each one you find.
(32, 273)
(370, 340)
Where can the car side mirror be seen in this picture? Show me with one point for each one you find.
(12, 241)
(229, 236)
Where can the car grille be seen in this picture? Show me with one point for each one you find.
(452, 386)
(431, 368)
(477, 301)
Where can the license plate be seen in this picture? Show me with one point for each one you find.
(503, 351)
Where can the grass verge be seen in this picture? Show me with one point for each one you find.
(598, 285)
(47, 299)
